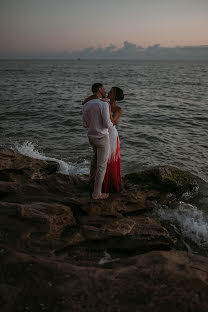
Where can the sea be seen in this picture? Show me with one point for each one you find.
(164, 121)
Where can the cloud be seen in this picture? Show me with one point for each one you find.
(129, 51)
(132, 51)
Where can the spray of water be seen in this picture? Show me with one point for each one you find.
(31, 149)
(192, 221)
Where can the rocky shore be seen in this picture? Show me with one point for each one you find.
(62, 251)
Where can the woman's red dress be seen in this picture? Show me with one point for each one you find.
(112, 179)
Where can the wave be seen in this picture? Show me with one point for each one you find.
(193, 222)
(30, 149)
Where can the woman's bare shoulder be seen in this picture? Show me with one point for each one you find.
(119, 109)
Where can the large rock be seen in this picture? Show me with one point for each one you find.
(141, 233)
(53, 238)
(156, 281)
(24, 180)
(166, 179)
(14, 166)
(35, 226)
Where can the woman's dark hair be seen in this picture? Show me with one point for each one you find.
(96, 86)
(119, 95)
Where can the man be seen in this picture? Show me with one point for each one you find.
(96, 118)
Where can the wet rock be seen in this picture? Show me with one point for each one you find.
(155, 281)
(53, 236)
(54, 217)
(14, 166)
(24, 180)
(141, 233)
(166, 179)
(36, 226)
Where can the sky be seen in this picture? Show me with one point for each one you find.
(75, 27)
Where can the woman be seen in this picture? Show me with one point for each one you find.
(112, 179)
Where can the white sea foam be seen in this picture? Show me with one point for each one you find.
(107, 258)
(192, 221)
(31, 149)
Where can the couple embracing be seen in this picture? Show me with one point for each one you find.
(100, 118)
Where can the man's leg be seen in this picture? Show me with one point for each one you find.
(93, 165)
(102, 146)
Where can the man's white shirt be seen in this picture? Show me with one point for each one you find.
(96, 118)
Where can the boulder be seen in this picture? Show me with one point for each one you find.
(155, 281)
(141, 233)
(62, 251)
(166, 179)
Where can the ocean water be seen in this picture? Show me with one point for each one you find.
(164, 120)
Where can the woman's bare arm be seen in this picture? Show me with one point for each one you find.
(116, 115)
(91, 97)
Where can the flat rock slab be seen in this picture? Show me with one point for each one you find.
(156, 281)
(29, 226)
(140, 233)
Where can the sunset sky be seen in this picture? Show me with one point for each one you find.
(30, 26)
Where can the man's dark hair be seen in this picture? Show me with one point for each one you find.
(96, 86)
(119, 95)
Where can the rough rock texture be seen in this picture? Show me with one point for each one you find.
(154, 281)
(164, 179)
(62, 251)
